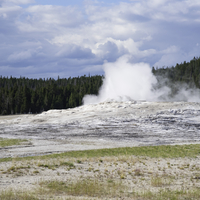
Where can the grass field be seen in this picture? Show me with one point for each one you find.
(11, 142)
(153, 172)
(165, 151)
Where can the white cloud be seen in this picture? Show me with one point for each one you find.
(171, 50)
(42, 18)
(22, 1)
(18, 56)
(70, 40)
(74, 51)
(9, 9)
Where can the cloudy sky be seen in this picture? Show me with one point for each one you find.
(47, 38)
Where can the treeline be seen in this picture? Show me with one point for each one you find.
(23, 95)
(185, 75)
(186, 72)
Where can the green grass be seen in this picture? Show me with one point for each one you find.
(161, 181)
(53, 166)
(11, 195)
(165, 151)
(10, 142)
(83, 187)
(91, 188)
(69, 164)
(111, 189)
(169, 195)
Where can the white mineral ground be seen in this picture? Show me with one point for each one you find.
(104, 125)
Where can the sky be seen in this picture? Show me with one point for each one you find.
(48, 38)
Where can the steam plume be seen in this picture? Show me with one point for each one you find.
(125, 81)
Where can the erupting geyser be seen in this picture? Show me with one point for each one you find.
(124, 81)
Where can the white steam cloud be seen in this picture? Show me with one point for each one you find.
(126, 81)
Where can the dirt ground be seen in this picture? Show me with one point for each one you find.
(137, 173)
